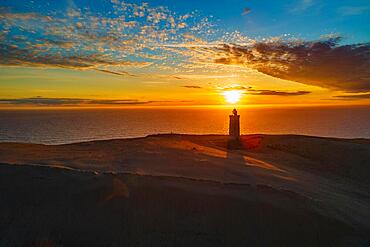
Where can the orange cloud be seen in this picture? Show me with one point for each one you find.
(320, 63)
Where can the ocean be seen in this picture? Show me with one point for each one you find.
(58, 126)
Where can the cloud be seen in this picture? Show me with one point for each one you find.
(78, 38)
(49, 43)
(235, 87)
(124, 73)
(353, 96)
(301, 6)
(246, 11)
(191, 86)
(322, 63)
(353, 10)
(276, 93)
(204, 76)
(68, 101)
(23, 16)
(41, 101)
(138, 36)
(252, 91)
(11, 55)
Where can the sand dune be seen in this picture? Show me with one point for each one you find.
(187, 190)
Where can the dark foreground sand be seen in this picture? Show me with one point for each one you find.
(180, 190)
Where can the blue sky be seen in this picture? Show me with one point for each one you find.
(307, 19)
(300, 18)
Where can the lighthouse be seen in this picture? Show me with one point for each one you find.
(234, 126)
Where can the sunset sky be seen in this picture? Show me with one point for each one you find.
(172, 52)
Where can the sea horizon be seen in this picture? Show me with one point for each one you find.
(70, 125)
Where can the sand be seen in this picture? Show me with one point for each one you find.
(184, 190)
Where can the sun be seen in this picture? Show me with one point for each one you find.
(232, 96)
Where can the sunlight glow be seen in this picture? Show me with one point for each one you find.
(233, 96)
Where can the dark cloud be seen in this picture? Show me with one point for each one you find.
(14, 56)
(322, 63)
(246, 11)
(190, 86)
(41, 101)
(276, 93)
(353, 96)
(56, 43)
(252, 91)
(235, 87)
(178, 78)
(11, 55)
(115, 72)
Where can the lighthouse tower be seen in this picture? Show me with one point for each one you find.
(234, 126)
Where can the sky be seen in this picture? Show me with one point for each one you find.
(113, 53)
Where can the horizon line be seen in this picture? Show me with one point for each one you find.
(81, 107)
